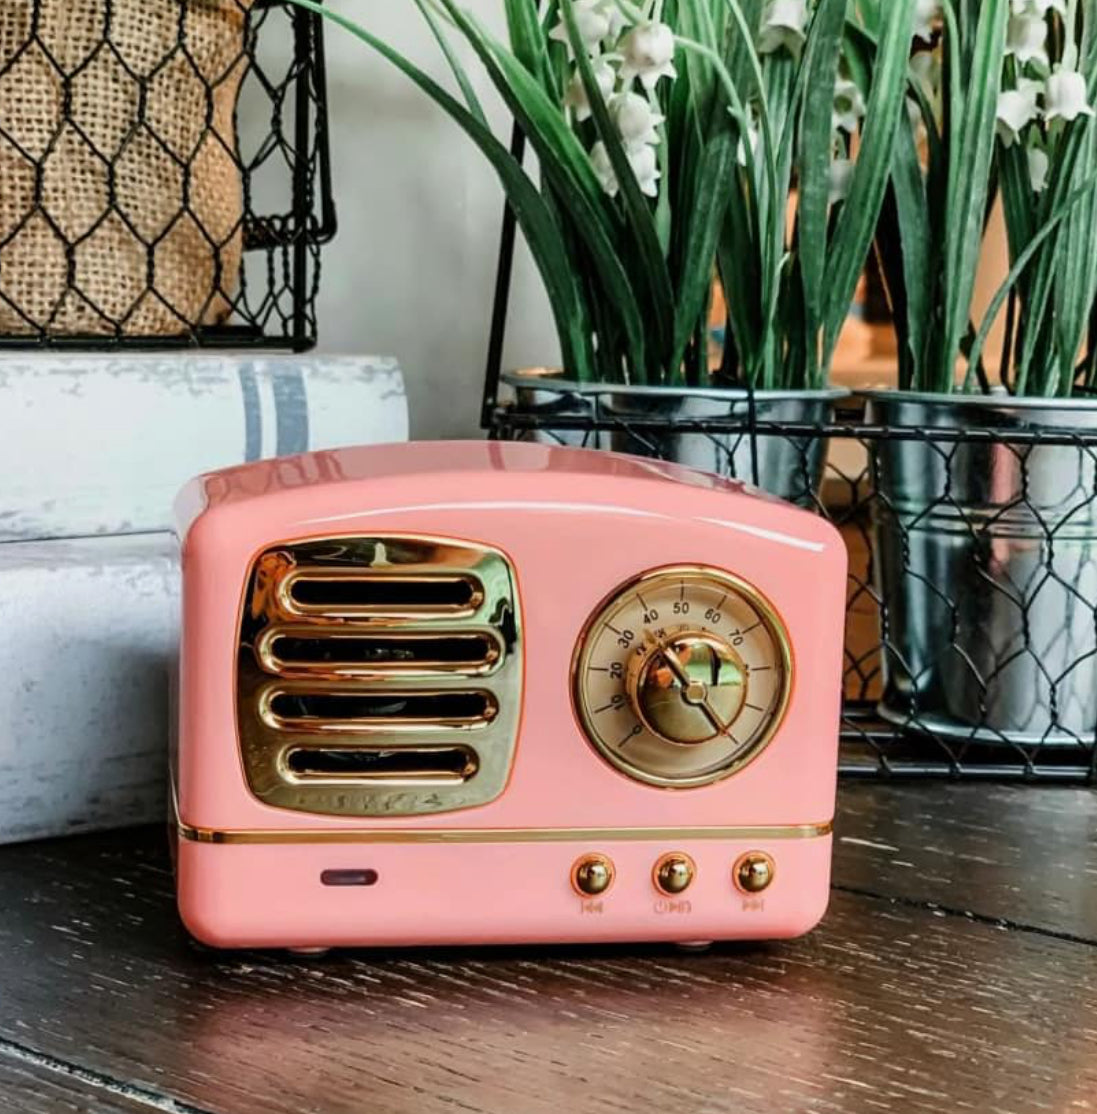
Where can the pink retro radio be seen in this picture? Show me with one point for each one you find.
(497, 693)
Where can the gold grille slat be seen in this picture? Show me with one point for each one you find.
(466, 592)
(432, 766)
(478, 651)
(348, 723)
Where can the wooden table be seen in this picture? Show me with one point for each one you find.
(956, 971)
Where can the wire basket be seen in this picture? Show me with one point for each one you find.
(971, 608)
(166, 174)
(971, 640)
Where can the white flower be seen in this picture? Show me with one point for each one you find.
(645, 166)
(926, 67)
(752, 136)
(605, 77)
(603, 168)
(1037, 169)
(1038, 7)
(593, 19)
(784, 24)
(1016, 110)
(648, 52)
(1026, 39)
(636, 120)
(839, 177)
(617, 22)
(849, 106)
(926, 14)
(1065, 96)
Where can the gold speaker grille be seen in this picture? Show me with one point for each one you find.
(379, 676)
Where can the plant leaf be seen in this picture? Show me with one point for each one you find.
(653, 266)
(459, 72)
(566, 165)
(820, 71)
(857, 220)
(536, 220)
(1046, 230)
(527, 39)
(913, 226)
(972, 137)
(1076, 270)
(705, 220)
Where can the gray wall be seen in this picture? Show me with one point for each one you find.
(412, 270)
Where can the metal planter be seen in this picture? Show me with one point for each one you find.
(547, 397)
(985, 553)
(787, 465)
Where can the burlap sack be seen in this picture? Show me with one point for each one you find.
(121, 201)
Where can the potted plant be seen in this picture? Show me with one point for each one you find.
(985, 520)
(671, 137)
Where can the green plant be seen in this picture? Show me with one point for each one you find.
(1000, 108)
(671, 136)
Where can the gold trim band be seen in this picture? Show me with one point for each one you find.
(504, 835)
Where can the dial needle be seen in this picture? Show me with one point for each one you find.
(679, 670)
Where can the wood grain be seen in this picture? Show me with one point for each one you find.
(892, 1005)
(1009, 853)
(30, 1086)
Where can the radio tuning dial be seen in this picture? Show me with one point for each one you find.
(688, 689)
(682, 676)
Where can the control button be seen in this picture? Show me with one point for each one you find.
(673, 873)
(592, 875)
(754, 872)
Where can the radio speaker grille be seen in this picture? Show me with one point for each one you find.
(379, 676)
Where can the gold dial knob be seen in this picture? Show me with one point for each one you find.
(754, 872)
(689, 689)
(592, 875)
(673, 873)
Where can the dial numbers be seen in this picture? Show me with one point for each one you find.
(682, 676)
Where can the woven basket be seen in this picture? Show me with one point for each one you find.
(121, 202)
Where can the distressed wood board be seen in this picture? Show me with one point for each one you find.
(89, 630)
(902, 1001)
(102, 444)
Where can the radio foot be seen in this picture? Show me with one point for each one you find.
(693, 945)
(308, 953)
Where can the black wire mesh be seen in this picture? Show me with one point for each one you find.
(165, 173)
(971, 640)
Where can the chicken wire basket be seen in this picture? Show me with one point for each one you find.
(165, 173)
(971, 637)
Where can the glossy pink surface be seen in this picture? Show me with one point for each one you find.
(271, 896)
(575, 524)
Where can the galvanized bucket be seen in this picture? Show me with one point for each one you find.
(547, 396)
(789, 466)
(986, 562)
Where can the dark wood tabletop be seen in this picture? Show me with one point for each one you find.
(955, 971)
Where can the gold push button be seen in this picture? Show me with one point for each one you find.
(673, 873)
(592, 875)
(754, 872)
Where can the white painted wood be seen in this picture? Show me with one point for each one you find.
(89, 630)
(101, 444)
